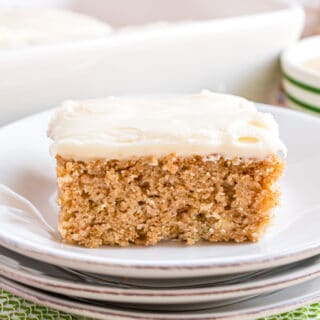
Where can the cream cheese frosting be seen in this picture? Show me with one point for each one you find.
(206, 123)
(25, 27)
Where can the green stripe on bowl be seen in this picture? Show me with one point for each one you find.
(302, 104)
(300, 84)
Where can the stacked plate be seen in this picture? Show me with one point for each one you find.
(170, 280)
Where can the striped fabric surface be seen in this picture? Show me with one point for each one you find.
(15, 308)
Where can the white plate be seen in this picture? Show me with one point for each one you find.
(63, 281)
(275, 303)
(27, 168)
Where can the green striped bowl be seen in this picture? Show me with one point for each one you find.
(302, 85)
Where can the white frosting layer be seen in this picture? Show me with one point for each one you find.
(204, 124)
(24, 27)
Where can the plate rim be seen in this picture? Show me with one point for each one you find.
(295, 275)
(83, 309)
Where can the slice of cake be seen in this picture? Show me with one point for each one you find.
(191, 167)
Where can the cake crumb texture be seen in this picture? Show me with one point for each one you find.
(147, 199)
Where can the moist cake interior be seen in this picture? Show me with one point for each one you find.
(146, 200)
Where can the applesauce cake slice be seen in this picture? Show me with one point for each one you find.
(202, 166)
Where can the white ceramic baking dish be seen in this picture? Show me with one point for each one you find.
(230, 46)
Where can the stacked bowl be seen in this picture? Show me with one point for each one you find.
(301, 75)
